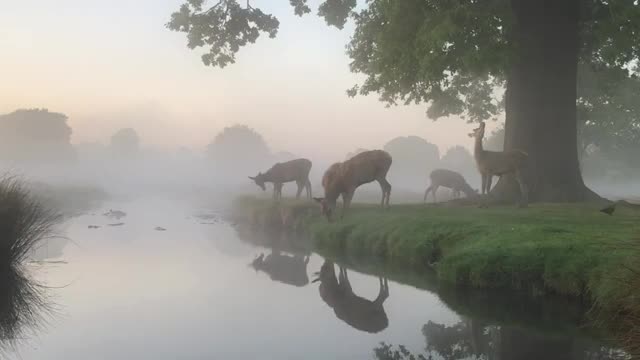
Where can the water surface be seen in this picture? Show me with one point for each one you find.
(170, 283)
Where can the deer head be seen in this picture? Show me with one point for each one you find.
(326, 207)
(478, 132)
(259, 180)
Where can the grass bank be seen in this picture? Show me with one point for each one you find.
(571, 250)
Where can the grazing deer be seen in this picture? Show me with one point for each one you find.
(342, 179)
(498, 163)
(449, 179)
(287, 269)
(358, 312)
(295, 170)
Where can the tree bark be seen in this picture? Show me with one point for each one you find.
(541, 101)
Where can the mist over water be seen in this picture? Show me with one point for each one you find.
(190, 292)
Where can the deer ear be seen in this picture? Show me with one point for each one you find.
(319, 200)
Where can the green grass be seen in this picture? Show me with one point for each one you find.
(571, 250)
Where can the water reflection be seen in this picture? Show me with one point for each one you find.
(23, 307)
(358, 312)
(471, 339)
(284, 268)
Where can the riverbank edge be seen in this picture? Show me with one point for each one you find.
(569, 250)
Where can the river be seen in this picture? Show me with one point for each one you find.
(171, 281)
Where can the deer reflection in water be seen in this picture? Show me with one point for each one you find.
(284, 268)
(358, 312)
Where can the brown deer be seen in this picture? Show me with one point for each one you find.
(358, 312)
(449, 179)
(295, 170)
(342, 179)
(284, 268)
(498, 163)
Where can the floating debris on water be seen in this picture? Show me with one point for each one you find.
(116, 214)
(116, 224)
(94, 226)
(158, 228)
(42, 262)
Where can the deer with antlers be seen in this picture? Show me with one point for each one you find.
(498, 163)
(281, 173)
(342, 179)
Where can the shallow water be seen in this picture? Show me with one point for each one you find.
(171, 284)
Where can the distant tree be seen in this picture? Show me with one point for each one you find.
(459, 159)
(609, 114)
(283, 156)
(453, 55)
(238, 149)
(125, 142)
(413, 160)
(35, 135)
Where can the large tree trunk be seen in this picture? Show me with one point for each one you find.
(541, 101)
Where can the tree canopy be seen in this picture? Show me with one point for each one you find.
(125, 142)
(35, 134)
(239, 150)
(460, 159)
(413, 160)
(451, 55)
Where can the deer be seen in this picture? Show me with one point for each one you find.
(449, 179)
(295, 170)
(359, 313)
(342, 179)
(498, 163)
(287, 269)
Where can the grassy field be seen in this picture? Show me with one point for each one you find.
(571, 250)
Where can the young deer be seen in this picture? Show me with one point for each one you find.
(342, 179)
(280, 173)
(498, 163)
(449, 179)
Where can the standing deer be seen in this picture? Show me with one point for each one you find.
(358, 312)
(498, 163)
(342, 179)
(449, 179)
(295, 170)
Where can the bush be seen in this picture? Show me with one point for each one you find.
(24, 223)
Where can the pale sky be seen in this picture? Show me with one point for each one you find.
(113, 64)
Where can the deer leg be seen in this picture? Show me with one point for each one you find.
(277, 188)
(386, 191)
(345, 278)
(383, 293)
(300, 187)
(489, 183)
(433, 191)
(483, 200)
(524, 192)
(346, 202)
(309, 194)
(426, 193)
